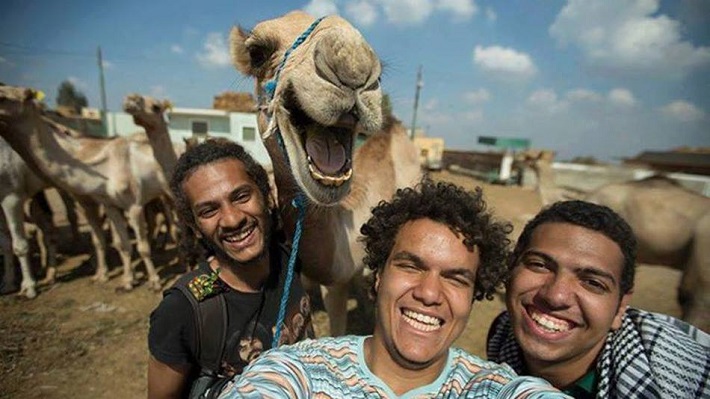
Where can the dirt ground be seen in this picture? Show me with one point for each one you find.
(80, 339)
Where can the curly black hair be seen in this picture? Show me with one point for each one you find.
(463, 211)
(591, 216)
(209, 151)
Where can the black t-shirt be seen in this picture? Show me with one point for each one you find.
(251, 319)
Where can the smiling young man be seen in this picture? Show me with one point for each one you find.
(434, 250)
(219, 317)
(568, 320)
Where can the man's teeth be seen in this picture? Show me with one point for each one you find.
(549, 323)
(421, 321)
(239, 235)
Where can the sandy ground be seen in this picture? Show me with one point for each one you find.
(79, 339)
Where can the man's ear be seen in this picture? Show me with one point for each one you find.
(623, 304)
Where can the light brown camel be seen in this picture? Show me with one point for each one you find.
(325, 93)
(672, 226)
(120, 174)
(149, 113)
(19, 185)
(540, 161)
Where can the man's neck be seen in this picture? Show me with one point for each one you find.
(243, 277)
(562, 374)
(399, 379)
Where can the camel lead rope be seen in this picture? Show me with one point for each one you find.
(300, 204)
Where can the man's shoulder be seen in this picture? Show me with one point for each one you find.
(474, 364)
(656, 326)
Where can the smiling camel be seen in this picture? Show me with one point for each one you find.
(318, 85)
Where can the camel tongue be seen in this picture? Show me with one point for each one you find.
(326, 152)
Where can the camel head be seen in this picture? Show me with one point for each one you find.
(533, 158)
(318, 85)
(146, 111)
(16, 102)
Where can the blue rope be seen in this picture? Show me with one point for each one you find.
(300, 204)
(270, 86)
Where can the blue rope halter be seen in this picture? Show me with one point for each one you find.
(299, 202)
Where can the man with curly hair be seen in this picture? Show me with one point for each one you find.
(220, 316)
(568, 320)
(434, 249)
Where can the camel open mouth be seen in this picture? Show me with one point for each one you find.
(327, 151)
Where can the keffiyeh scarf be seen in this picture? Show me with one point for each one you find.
(650, 356)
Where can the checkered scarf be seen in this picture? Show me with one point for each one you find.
(650, 356)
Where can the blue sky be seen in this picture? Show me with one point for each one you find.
(602, 78)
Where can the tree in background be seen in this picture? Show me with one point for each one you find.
(70, 98)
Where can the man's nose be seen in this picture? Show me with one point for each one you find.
(428, 289)
(232, 216)
(557, 291)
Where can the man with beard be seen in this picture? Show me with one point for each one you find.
(568, 319)
(433, 250)
(220, 316)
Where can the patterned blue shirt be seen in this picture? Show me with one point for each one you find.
(336, 368)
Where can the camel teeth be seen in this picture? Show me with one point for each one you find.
(328, 180)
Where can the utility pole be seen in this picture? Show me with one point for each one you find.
(102, 86)
(416, 101)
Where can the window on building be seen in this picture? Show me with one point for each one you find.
(200, 128)
(248, 133)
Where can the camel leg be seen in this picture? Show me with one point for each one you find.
(335, 300)
(136, 218)
(12, 206)
(41, 215)
(122, 243)
(694, 289)
(7, 285)
(98, 239)
(70, 210)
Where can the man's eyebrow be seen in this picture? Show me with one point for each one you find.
(587, 270)
(406, 255)
(595, 271)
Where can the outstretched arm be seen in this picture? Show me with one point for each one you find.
(166, 381)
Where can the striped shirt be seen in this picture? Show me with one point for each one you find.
(336, 368)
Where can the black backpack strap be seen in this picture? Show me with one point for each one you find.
(210, 326)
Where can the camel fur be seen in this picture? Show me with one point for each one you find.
(327, 94)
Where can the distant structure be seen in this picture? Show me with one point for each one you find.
(431, 151)
(685, 160)
(235, 102)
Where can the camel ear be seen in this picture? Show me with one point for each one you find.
(238, 49)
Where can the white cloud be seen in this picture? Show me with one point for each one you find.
(491, 15)
(176, 49)
(475, 115)
(583, 95)
(406, 12)
(461, 9)
(431, 105)
(319, 8)
(477, 96)
(543, 98)
(683, 111)
(622, 97)
(504, 60)
(215, 53)
(627, 35)
(107, 64)
(363, 12)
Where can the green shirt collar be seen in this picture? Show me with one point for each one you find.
(585, 387)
